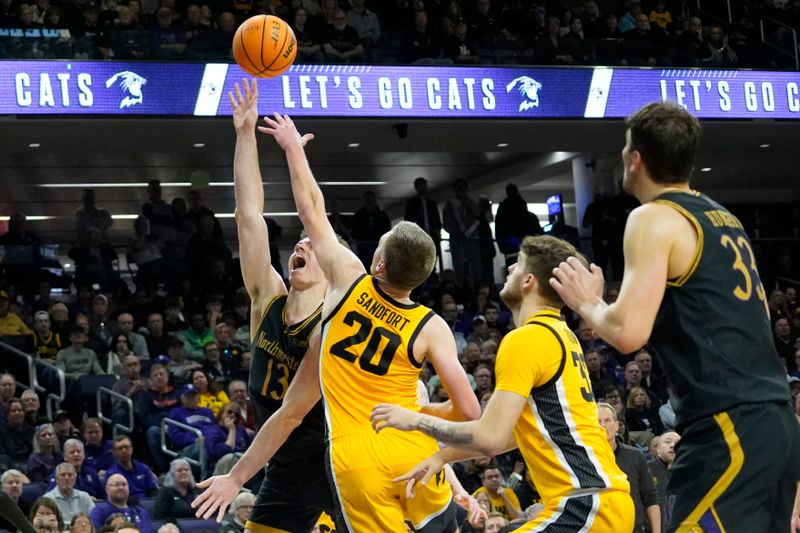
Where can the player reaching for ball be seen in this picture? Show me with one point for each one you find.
(285, 353)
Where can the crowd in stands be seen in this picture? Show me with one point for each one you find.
(545, 32)
(175, 340)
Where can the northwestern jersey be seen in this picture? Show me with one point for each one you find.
(712, 333)
(558, 433)
(275, 357)
(367, 356)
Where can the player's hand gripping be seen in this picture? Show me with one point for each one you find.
(285, 132)
(475, 513)
(220, 492)
(245, 107)
(576, 284)
(421, 473)
(386, 415)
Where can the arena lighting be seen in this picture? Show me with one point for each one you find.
(217, 215)
(29, 218)
(354, 145)
(502, 145)
(705, 169)
(110, 185)
(34, 145)
(765, 145)
(199, 145)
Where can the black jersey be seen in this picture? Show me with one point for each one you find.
(712, 333)
(276, 353)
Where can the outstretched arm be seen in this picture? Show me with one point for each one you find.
(488, 436)
(337, 262)
(302, 395)
(260, 279)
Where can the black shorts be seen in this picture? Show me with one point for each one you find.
(736, 471)
(292, 497)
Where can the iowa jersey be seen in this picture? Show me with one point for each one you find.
(712, 333)
(558, 434)
(367, 356)
(276, 353)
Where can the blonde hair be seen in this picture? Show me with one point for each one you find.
(409, 254)
(542, 254)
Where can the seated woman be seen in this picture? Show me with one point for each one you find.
(81, 523)
(118, 347)
(173, 500)
(241, 507)
(46, 454)
(209, 392)
(229, 435)
(46, 517)
(16, 440)
(642, 421)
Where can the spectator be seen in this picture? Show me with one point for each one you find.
(70, 501)
(178, 365)
(173, 318)
(366, 25)
(157, 340)
(460, 217)
(138, 342)
(450, 315)
(502, 500)
(628, 21)
(198, 37)
(140, 480)
(422, 43)
(784, 342)
(209, 392)
(597, 373)
(46, 343)
(46, 517)
(483, 380)
(117, 502)
(640, 415)
(583, 51)
(118, 349)
(422, 211)
(153, 405)
(369, 223)
(21, 247)
(46, 454)
(98, 451)
(197, 212)
(76, 360)
(644, 47)
(633, 463)
(130, 384)
(157, 212)
(8, 389)
(216, 367)
(17, 437)
(32, 407)
(657, 389)
(11, 482)
(197, 336)
(237, 392)
(86, 36)
(169, 528)
(718, 54)
(190, 414)
(495, 522)
(99, 322)
(690, 46)
(89, 215)
(167, 37)
(552, 49)
(241, 508)
(661, 468)
(513, 222)
(228, 435)
(86, 478)
(10, 323)
(173, 500)
(660, 15)
(59, 323)
(145, 249)
(228, 350)
(81, 523)
(223, 37)
(94, 257)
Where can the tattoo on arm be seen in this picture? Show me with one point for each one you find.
(443, 431)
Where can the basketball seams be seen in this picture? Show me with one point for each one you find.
(282, 52)
(264, 21)
(255, 70)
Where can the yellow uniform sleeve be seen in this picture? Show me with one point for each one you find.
(513, 497)
(527, 358)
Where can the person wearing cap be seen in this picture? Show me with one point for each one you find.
(10, 323)
(179, 366)
(794, 386)
(46, 342)
(64, 428)
(479, 329)
(191, 414)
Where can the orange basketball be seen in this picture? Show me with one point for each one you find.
(264, 46)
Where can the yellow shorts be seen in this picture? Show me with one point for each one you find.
(606, 512)
(363, 466)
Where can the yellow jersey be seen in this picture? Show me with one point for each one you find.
(558, 433)
(367, 356)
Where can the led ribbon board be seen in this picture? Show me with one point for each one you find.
(371, 91)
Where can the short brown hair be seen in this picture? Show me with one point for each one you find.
(409, 254)
(543, 253)
(666, 136)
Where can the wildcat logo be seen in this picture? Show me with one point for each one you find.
(529, 89)
(131, 84)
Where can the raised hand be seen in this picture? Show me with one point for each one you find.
(475, 513)
(283, 129)
(220, 492)
(576, 284)
(420, 474)
(245, 107)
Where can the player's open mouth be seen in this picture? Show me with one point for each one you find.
(298, 262)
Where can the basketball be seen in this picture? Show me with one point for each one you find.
(264, 46)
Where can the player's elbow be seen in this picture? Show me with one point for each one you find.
(472, 411)
(492, 445)
(631, 339)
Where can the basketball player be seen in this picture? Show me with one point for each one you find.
(691, 288)
(542, 404)
(295, 490)
(374, 342)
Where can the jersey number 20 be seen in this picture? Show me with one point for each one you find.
(376, 336)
